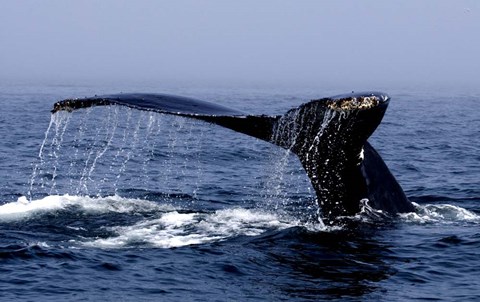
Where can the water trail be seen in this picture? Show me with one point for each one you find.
(118, 149)
(166, 173)
(77, 143)
(287, 131)
(47, 161)
(286, 134)
(274, 191)
(40, 158)
(131, 152)
(110, 125)
(291, 133)
(121, 150)
(199, 171)
(60, 128)
(327, 118)
(152, 133)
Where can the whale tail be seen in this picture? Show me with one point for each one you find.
(328, 135)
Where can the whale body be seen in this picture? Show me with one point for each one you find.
(328, 135)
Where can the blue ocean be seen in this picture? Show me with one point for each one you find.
(115, 204)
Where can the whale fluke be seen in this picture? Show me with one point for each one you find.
(329, 136)
(257, 126)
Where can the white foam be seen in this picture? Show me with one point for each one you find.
(22, 208)
(167, 228)
(174, 229)
(440, 213)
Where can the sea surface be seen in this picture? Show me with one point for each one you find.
(114, 204)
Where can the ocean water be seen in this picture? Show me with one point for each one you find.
(116, 204)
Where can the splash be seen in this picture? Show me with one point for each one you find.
(440, 213)
(367, 213)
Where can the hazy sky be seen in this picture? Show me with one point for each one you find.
(259, 40)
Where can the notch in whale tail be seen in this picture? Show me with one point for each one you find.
(328, 135)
